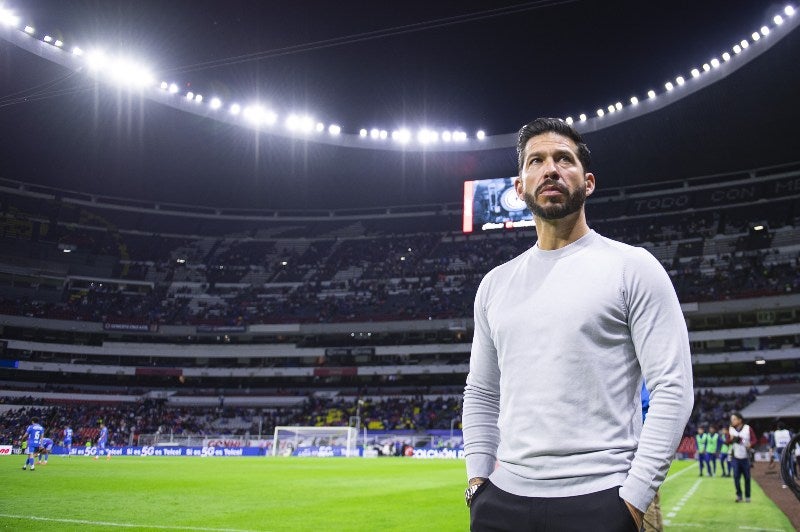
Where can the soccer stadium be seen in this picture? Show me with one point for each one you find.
(241, 242)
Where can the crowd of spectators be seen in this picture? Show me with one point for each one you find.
(126, 421)
(440, 288)
(714, 408)
(248, 277)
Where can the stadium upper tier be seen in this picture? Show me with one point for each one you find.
(75, 257)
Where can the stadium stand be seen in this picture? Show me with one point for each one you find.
(294, 319)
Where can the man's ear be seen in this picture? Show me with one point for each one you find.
(589, 179)
(519, 187)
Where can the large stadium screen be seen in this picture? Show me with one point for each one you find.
(493, 204)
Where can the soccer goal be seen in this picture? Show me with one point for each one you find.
(315, 441)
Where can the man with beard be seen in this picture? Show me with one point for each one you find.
(564, 335)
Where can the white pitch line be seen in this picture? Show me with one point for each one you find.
(122, 525)
(674, 510)
(681, 472)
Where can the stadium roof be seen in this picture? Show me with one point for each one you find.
(468, 66)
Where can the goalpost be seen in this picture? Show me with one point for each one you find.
(315, 441)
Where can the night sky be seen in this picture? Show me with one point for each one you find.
(467, 64)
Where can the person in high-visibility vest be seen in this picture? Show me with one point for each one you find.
(701, 439)
(712, 448)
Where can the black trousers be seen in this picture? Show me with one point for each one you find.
(495, 510)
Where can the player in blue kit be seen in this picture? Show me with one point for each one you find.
(34, 434)
(45, 447)
(68, 440)
(101, 442)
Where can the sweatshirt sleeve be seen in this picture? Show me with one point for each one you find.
(481, 396)
(659, 335)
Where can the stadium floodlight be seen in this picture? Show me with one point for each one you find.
(8, 18)
(737, 49)
(58, 43)
(788, 10)
(362, 133)
(29, 30)
(582, 117)
(402, 136)
(460, 136)
(480, 135)
(755, 36)
(600, 112)
(77, 51)
(47, 39)
(303, 124)
(446, 136)
(292, 122)
(190, 96)
(695, 73)
(764, 31)
(173, 88)
(427, 136)
(215, 103)
(198, 98)
(320, 127)
(235, 108)
(715, 63)
(384, 134)
(651, 94)
(568, 120)
(669, 86)
(611, 109)
(164, 86)
(634, 100)
(130, 74)
(726, 56)
(269, 117)
(618, 106)
(778, 20)
(334, 129)
(254, 114)
(97, 60)
(706, 67)
(679, 80)
(744, 44)
(374, 133)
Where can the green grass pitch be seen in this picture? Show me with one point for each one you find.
(315, 494)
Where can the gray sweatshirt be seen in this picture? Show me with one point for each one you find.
(562, 340)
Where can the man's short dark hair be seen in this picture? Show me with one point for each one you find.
(34, 419)
(555, 125)
(738, 414)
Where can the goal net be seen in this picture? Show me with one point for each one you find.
(315, 441)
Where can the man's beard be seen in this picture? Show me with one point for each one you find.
(555, 211)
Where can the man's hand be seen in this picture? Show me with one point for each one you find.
(637, 514)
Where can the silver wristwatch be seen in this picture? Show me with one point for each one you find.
(470, 493)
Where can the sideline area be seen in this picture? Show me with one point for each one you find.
(769, 478)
